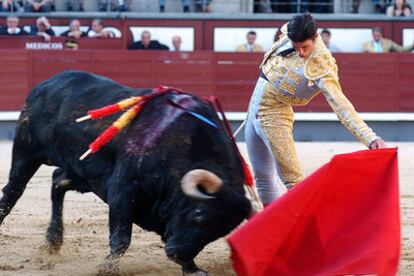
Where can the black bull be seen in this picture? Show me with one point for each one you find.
(168, 171)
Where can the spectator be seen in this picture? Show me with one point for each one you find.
(38, 5)
(114, 5)
(147, 44)
(378, 7)
(74, 5)
(42, 28)
(399, 8)
(176, 42)
(262, 6)
(74, 30)
(9, 6)
(250, 45)
(186, 7)
(12, 27)
(379, 44)
(97, 30)
(202, 5)
(326, 37)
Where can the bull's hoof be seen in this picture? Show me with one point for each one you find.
(196, 273)
(54, 240)
(53, 248)
(110, 267)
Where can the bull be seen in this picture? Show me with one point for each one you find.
(168, 171)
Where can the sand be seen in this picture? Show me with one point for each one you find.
(22, 235)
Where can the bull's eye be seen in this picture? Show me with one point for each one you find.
(198, 215)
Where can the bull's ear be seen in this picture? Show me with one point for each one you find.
(193, 179)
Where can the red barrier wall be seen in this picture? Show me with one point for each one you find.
(374, 83)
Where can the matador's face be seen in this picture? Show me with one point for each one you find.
(305, 48)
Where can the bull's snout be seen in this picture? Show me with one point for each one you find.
(174, 255)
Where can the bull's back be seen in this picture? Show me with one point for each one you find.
(75, 90)
(47, 126)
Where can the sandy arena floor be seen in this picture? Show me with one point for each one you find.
(22, 235)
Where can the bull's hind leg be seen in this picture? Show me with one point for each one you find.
(22, 169)
(61, 184)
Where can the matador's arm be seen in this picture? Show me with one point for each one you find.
(327, 81)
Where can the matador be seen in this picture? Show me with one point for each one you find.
(296, 68)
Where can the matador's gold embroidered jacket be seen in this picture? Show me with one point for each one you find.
(296, 81)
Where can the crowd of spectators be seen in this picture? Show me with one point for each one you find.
(43, 28)
(102, 5)
(389, 7)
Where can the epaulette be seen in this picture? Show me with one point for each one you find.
(321, 63)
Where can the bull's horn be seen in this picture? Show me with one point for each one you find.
(208, 180)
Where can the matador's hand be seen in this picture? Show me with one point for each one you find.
(378, 144)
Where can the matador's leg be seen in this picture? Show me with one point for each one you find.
(263, 164)
(276, 120)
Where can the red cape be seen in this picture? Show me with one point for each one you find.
(343, 219)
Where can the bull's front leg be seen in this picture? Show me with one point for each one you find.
(121, 207)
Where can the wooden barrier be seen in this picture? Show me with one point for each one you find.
(374, 83)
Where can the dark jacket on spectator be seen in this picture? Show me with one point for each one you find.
(3, 31)
(68, 31)
(154, 45)
(34, 31)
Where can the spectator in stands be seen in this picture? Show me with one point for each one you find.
(42, 28)
(176, 42)
(38, 5)
(262, 6)
(378, 6)
(74, 5)
(74, 30)
(379, 44)
(203, 5)
(9, 6)
(12, 27)
(97, 30)
(250, 45)
(114, 5)
(326, 37)
(147, 44)
(185, 3)
(399, 8)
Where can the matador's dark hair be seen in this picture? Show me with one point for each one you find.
(301, 27)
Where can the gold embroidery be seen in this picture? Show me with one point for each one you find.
(345, 111)
(276, 119)
(295, 101)
(296, 78)
(321, 63)
(290, 88)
